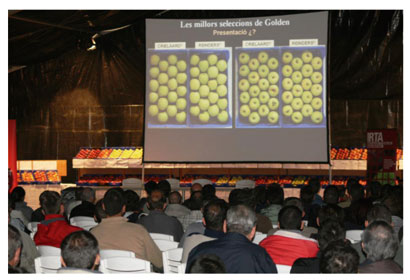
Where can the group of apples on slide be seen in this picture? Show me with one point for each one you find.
(38, 176)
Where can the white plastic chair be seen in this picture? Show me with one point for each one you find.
(86, 223)
(171, 260)
(173, 182)
(165, 245)
(124, 265)
(162, 236)
(241, 184)
(81, 219)
(47, 264)
(354, 236)
(283, 269)
(45, 250)
(259, 236)
(110, 253)
(203, 182)
(132, 183)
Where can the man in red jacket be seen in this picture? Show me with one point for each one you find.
(54, 228)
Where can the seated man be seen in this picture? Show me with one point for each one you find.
(274, 199)
(17, 195)
(54, 228)
(15, 244)
(207, 264)
(86, 208)
(236, 249)
(195, 204)
(339, 257)
(79, 253)
(288, 244)
(115, 232)
(175, 207)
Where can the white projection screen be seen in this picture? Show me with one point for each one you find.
(237, 89)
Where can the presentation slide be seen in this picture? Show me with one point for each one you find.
(237, 90)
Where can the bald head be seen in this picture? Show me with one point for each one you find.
(196, 188)
(156, 200)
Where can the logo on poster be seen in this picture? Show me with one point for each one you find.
(375, 140)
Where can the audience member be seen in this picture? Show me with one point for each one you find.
(260, 197)
(315, 184)
(274, 201)
(175, 207)
(311, 210)
(208, 192)
(132, 209)
(68, 195)
(207, 264)
(194, 189)
(99, 213)
(15, 246)
(339, 257)
(347, 201)
(17, 196)
(356, 214)
(394, 201)
(374, 192)
(16, 217)
(331, 195)
(150, 186)
(165, 187)
(87, 207)
(195, 204)
(70, 205)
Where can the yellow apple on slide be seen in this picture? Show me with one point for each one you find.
(153, 110)
(154, 59)
(254, 118)
(223, 117)
(273, 117)
(181, 117)
(317, 117)
(245, 111)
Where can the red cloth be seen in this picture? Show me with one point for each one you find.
(53, 233)
(12, 154)
(284, 247)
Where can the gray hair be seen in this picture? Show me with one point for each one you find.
(379, 241)
(241, 219)
(14, 241)
(88, 194)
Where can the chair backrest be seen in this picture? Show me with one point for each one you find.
(131, 183)
(162, 236)
(259, 236)
(47, 264)
(354, 236)
(245, 184)
(201, 181)
(165, 245)
(86, 225)
(81, 219)
(110, 253)
(32, 226)
(283, 268)
(172, 260)
(45, 250)
(173, 182)
(124, 265)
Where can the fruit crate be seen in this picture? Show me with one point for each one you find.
(52, 177)
(27, 177)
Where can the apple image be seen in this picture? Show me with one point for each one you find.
(203, 78)
(244, 97)
(204, 117)
(194, 60)
(212, 84)
(172, 84)
(245, 111)
(203, 104)
(153, 97)
(243, 85)
(273, 63)
(222, 90)
(264, 97)
(263, 57)
(307, 70)
(194, 110)
(163, 117)
(222, 103)
(181, 78)
(244, 70)
(181, 104)
(297, 117)
(172, 111)
(181, 65)
(306, 84)
(253, 77)
(163, 66)
(154, 59)
(254, 91)
(307, 97)
(263, 71)
(297, 90)
(316, 117)
(307, 110)
(172, 59)
(263, 110)
(287, 57)
(221, 79)
(203, 65)
(194, 97)
(222, 65)
(163, 91)
(181, 91)
(287, 97)
(317, 63)
(316, 103)
(213, 72)
(307, 56)
(172, 71)
(253, 64)
(287, 110)
(194, 71)
(223, 117)
(297, 104)
(273, 103)
(212, 59)
(254, 118)
(204, 91)
(254, 103)
(153, 110)
(316, 89)
(213, 110)
(181, 117)
(273, 90)
(243, 58)
(273, 117)
(162, 103)
(154, 72)
(273, 77)
(297, 63)
(172, 97)
(287, 70)
(162, 78)
(153, 85)
(297, 77)
(213, 97)
(194, 84)
(316, 77)
(263, 84)
(287, 83)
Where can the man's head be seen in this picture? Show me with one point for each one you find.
(156, 200)
(209, 191)
(290, 217)
(150, 186)
(339, 257)
(375, 190)
(99, 212)
(330, 211)
(208, 263)
(215, 214)
(356, 192)
(242, 197)
(18, 194)
(306, 194)
(80, 249)
(175, 198)
(15, 245)
(331, 195)
(330, 230)
(241, 219)
(379, 241)
(378, 212)
(315, 184)
(114, 203)
(196, 201)
(131, 200)
(165, 187)
(50, 202)
(88, 194)
(274, 194)
(196, 188)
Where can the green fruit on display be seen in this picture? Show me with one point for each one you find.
(204, 91)
(154, 59)
(273, 63)
(273, 117)
(307, 110)
(263, 57)
(181, 65)
(163, 117)
(213, 72)
(245, 111)
(153, 110)
(222, 90)
(213, 110)
(194, 71)
(307, 97)
(203, 65)
(254, 91)
(273, 103)
(273, 77)
(194, 60)
(307, 56)
(203, 78)
(306, 84)
(316, 89)
(163, 65)
(223, 117)
(263, 110)
(222, 103)
(212, 84)
(153, 85)
(316, 77)
(287, 57)
(244, 70)
(287, 97)
(254, 103)
(172, 97)
(204, 117)
(172, 84)
(287, 83)
(212, 59)
(254, 118)
(253, 64)
(162, 79)
(264, 97)
(307, 70)
(181, 117)
(243, 85)
(181, 104)
(297, 90)
(297, 63)
(181, 91)
(263, 71)
(154, 72)
(263, 84)
(273, 90)
(316, 103)
(153, 97)
(172, 59)
(244, 97)
(297, 103)
(317, 63)
(194, 110)
(287, 71)
(221, 79)
(297, 117)
(194, 97)
(181, 78)
(194, 84)
(222, 65)
(316, 117)
(213, 97)
(297, 77)
(243, 58)
(253, 77)
(162, 103)
(172, 111)
(287, 110)
(203, 104)
(163, 91)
